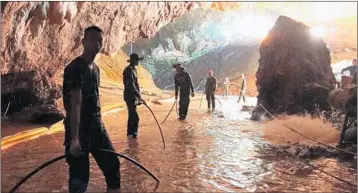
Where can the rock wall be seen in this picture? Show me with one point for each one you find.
(45, 36)
(294, 69)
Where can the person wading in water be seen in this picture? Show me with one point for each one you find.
(243, 89)
(132, 94)
(226, 87)
(183, 81)
(84, 129)
(210, 88)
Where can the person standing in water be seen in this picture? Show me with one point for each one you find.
(226, 86)
(243, 88)
(131, 94)
(183, 81)
(210, 89)
(84, 129)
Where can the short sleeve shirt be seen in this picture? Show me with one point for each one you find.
(78, 75)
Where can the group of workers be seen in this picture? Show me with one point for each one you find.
(84, 128)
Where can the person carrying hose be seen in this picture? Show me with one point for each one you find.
(183, 81)
(84, 129)
(210, 88)
(131, 94)
(243, 88)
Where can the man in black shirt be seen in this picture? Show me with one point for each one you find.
(131, 94)
(210, 88)
(183, 81)
(84, 129)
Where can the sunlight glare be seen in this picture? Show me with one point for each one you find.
(318, 31)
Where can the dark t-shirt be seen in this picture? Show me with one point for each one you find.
(210, 85)
(183, 81)
(130, 81)
(78, 75)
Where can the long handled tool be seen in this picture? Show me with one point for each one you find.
(28, 176)
(156, 120)
(169, 112)
(218, 100)
(176, 107)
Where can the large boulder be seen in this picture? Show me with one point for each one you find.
(295, 73)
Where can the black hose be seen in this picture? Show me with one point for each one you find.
(201, 100)
(28, 176)
(160, 129)
(169, 112)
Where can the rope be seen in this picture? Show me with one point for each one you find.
(169, 112)
(316, 168)
(320, 142)
(29, 175)
(309, 137)
(160, 129)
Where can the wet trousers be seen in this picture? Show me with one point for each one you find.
(226, 91)
(79, 167)
(133, 118)
(184, 105)
(210, 97)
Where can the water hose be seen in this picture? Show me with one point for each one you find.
(201, 100)
(28, 176)
(169, 111)
(160, 129)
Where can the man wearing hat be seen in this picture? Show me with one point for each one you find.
(210, 88)
(131, 94)
(183, 81)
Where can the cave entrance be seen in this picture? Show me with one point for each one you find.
(207, 39)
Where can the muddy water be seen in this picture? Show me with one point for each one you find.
(210, 152)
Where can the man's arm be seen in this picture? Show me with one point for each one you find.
(176, 87)
(191, 83)
(215, 84)
(136, 91)
(76, 99)
(345, 69)
(129, 81)
(73, 83)
(206, 85)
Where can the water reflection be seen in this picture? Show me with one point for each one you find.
(216, 152)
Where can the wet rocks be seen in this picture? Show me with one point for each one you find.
(313, 151)
(26, 89)
(294, 72)
(247, 108)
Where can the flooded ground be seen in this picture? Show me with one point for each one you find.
(219, 151)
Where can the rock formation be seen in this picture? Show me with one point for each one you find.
(44, 36)
(294, 72)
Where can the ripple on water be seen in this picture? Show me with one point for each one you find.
(217, 152)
